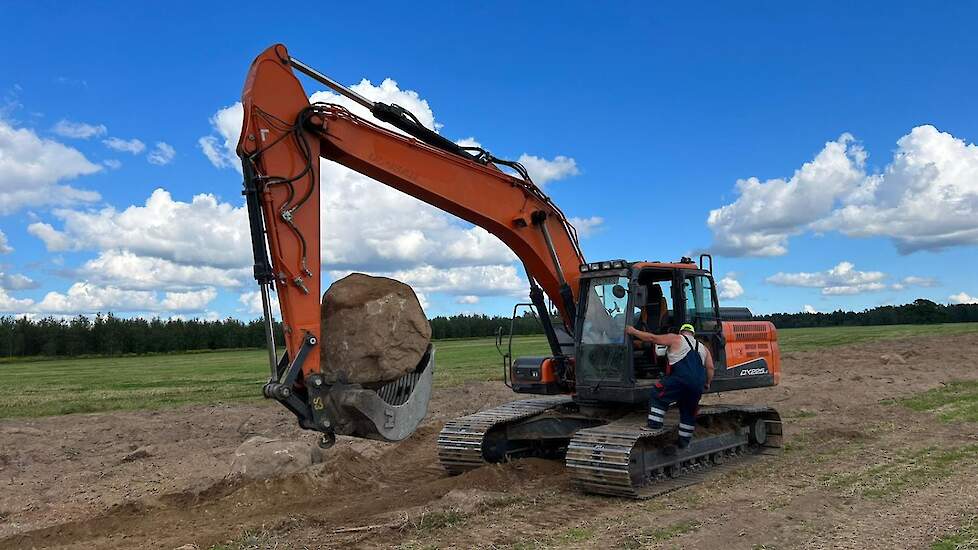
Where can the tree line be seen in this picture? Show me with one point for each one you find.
(473, 326)
(111, 335)
(919, 312)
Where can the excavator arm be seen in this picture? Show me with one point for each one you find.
(282, 138)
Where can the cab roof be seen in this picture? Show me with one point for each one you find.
(664, 265)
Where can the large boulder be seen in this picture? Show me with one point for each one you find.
(264, 458)
(374, 330)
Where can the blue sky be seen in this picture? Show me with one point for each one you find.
(646, 116)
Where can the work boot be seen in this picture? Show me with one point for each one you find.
(656, 416)
(685, 434)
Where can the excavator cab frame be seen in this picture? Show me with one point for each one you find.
(604, 365)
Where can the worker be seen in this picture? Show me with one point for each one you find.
(688, 375)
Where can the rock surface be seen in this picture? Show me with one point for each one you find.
(264, 458)
(893, 358)
(138, 454)
(374, 330)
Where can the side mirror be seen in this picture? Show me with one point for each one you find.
(618, 291)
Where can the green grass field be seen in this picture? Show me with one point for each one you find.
(801, 339)
(64, 386)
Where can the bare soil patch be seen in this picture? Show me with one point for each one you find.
(858, 471)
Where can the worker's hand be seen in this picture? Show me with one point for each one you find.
(707, 385)
(631, 331)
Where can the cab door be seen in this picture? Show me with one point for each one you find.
(702, 310)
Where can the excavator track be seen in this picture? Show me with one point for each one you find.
(622, 459)
(461, 440)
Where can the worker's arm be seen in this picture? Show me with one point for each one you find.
(660, 339)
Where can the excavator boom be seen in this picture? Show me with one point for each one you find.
(282, 138)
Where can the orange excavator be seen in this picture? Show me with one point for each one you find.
(593, 387)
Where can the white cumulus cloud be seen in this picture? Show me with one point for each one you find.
(919, 281)
(132, 146)
(963, 298)
(730, 287)
(766, 213)
(926, 198)
(252, 302)
(587, 226)
(543, 171)
(483, 280)
(843, 279)
(467, 299)
(226, 123)
(87, 298)
(9, 304)
(124, 269)
(191, 300)
(78, 130)
(809, 309)
(32, 169)
(5, 247)
(162, 154)
(202, 232)
(16, 281)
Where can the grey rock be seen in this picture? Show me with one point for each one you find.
(264, 458)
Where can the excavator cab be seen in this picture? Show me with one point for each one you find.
(605, 365)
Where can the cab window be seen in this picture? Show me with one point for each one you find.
(654, 315)
(605, 314)
(700, 304)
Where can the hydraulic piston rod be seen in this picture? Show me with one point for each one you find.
(329, 82)
(394, 115)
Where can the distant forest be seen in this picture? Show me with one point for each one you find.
(111, 335)
(920, 312)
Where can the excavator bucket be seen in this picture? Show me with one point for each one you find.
(389, 413)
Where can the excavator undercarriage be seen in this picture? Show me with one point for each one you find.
(608, 452)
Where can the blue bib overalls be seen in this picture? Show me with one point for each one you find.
(683, 384)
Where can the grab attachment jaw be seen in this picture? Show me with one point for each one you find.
(389, 413)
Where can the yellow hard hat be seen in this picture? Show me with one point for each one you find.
(687, 328)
